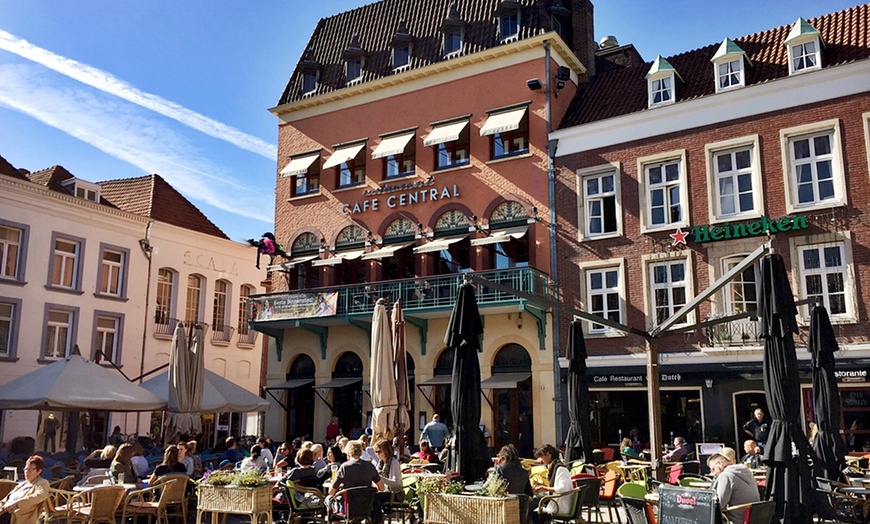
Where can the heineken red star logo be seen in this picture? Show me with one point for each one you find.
(679, 236)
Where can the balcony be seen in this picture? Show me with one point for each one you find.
(422, 298)
(222, 334)
(743, 332)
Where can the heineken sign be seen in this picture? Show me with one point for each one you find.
(728, 231)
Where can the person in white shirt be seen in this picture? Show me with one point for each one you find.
(560, 482)
(265, 451)
(255, 461)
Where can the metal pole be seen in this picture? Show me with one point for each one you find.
(654, 405)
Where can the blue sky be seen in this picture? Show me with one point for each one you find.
(113, 89)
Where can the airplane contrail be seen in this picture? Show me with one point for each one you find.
(109, 83)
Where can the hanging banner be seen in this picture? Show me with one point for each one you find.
(295, 305)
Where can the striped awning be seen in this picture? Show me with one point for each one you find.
(299, 165)
(501, 122)
(445, 133)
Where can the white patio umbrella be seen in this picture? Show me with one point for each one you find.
(76, 384)
(219, 395)
(382, 374)
(186, 368)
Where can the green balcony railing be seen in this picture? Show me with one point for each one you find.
(430, 293)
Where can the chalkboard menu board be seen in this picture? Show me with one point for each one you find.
(678, 505)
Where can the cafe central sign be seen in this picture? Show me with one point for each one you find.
(728, 231)
(407, 194)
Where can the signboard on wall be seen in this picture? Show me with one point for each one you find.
(296, 305)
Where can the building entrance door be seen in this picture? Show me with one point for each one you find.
(512, 414)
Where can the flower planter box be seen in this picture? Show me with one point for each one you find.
(256, 502)
(467, 509)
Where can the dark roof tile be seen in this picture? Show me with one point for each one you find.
(9, 170)
(845, 36)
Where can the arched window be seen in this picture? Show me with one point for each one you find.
(513, 251)
(347, 401)
(452, 229)
(193, 307)
(302, 275)
(164, 309)
(399, 264)
(246, 334)
(351, 270)
(301, 367)
(512, 398)
(219, 317)
(441, 392)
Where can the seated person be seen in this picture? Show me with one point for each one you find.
(734, 483)
(169, 465)
(101, 458)
(626, 449)
(426, 453)
(284, 458)
(681, 449)
(559, 482)
(23, 504)
(752, 458)
(304, 473)
(511, 469)
(232, 453)
(122, 466)
(255, 461)
(357, 472)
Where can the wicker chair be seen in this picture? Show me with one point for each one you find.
(351, 505)
(64, 483)
(58, 505)
(150, 502)
(98, 504)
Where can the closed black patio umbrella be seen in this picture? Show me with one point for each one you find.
(468, 455)
(578, 443)
(787, 452)
(828, 446)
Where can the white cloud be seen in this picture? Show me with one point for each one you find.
(110, 84)
(125, 132)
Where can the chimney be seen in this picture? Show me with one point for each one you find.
(584, 34)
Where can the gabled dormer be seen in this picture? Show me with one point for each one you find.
(508, 15)
(453, 31)
(402, 47)
(82, 189)
(354, 60)
(310, 69)
(729, 66)
(661, 83)
(804, 43)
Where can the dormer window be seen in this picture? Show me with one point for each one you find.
(452, 28)
(729, 66)
(508, 15)
(661, 83)
(353, 69)
(804, 48)
(82, 189)
(309, 82)
(401, 55)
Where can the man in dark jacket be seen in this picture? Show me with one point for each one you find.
(758, 428)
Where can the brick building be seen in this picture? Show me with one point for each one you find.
(767, 131)
(412, 151)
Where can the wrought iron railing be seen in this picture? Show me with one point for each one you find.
(247, 338)
(222, 333)
(743, 332)
(435, 292)
(164, 325)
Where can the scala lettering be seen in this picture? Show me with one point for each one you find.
(762, 226)
(204, 262)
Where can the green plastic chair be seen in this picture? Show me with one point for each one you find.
(633, 490)
(685, 480)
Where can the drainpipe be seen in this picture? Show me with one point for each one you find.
(147, 249)
(554, 270)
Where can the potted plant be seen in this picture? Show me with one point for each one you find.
(245, 492)
(490, 505)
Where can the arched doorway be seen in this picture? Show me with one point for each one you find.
(511, 385)
(347, 400)
(441, 392)
(300, 400)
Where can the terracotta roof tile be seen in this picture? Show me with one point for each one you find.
(845, 36)
(51, 177)
(153, 197)
(376, 25)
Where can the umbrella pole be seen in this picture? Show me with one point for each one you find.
(654, 405)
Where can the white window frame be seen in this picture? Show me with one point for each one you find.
(866, 119)
(64, 258)
(656, 84)
(646, 214)
(613, 169)
(727, 303)
(840, 238)
(308, 74)
(109, 268)
(649, 261)
(801, 44)
(112, 353)
(787, 136)
(13, 320)
(245, 292)
(396, 48)
(713, 197)
(51, 330)
(740, 71)
(221, 302)
(356, 79)
(170, 290)
(194, 299)
(461, 32)
(586, 271)
(502, 38)
(20, 252)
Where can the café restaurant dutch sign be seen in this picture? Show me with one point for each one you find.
(728, 231)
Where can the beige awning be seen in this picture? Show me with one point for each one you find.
(395, 145)
(343, 154)
(290, 264)
(384, 252)
(299, 165)
(438, 245)
(504, 380)
(339, 383)
(438, 380)
(501, 235)
(339, 258)
(501, 122)
(445, 133)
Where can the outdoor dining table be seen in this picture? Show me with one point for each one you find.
(128, 487)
